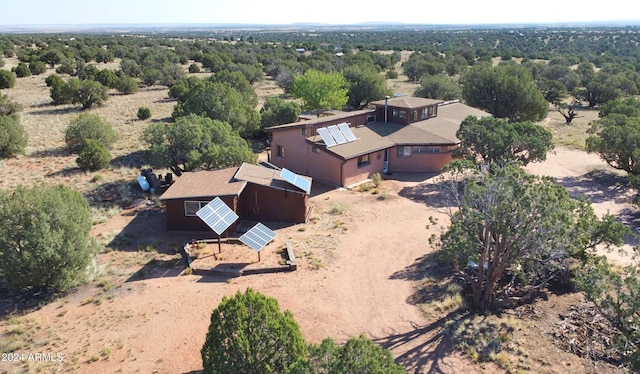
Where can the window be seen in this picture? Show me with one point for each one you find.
(363, 160)
(402, 114)
(191, 207)
(414, 115)
(427, 149)
(395, 113)
(428, 112)
(371, 119)
(404, 151)
(280, 151)
(315, 149)
(304, 131)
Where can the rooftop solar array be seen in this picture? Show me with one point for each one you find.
(337, 134)
(326, 137)
(217, 215)
(258, 236)
(295, 179)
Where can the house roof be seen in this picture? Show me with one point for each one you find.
(268, 177)
(440, 130)
(335, 115)
(407, 102)
(205, 183)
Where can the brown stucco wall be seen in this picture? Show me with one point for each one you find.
(178, 221)
(352, 173)
(272, 204)
(418, 162)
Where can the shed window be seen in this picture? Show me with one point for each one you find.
(315, 149)
(191, 207)
(281, 151)
(371, 119)
(304, 131)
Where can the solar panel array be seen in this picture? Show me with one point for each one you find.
(217, 215)
(258, 236)
(336, 134)
(296, 180)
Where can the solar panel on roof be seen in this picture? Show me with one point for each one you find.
(346, 131)
(326, 137)
(296, 180)
(217, 215)
(337, 135)
(258, 236)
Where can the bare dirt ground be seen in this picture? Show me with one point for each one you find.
(361, 259)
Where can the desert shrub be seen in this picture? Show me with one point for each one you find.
(392, 74)
(8, 107)
(144, 113)
(37, 67)
(53, 79)
(107, 78)
(357, 355)
(264, 339)
(60, 92)
(22, 70)
(194, 68)
(376, 179)
(13, 138)
(44, 238)
(127, 85)
(88, 126)
(93, 156)
(7, 79)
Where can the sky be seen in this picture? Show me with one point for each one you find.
(337, 12)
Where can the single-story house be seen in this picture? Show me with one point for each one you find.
(253, 192)
(401, 134)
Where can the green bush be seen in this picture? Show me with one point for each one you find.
(93, 156)
(249, 334)
(144, 113)
(127, 85)
(194, 68)
(89, 126)
(22, 70)
(13, 138)
(44, 238)
(7, 79)
(37, 67)
(53, 79)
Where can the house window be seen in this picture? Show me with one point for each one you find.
(404, 151)
(427, 149)
(395, 113)
(304, 131)
(281, 151)
(315, 149)
(363, 160)
(191, 207)
(414, 115)
(428, 112)
(371, 119)
(402, 114)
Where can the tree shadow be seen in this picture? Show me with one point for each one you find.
(21, 304)
(424, 348)
(135, 159)
(435, 194)
(56, 111)
(598, 186)
(51, 152)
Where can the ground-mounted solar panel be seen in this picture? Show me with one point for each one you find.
(346, 131)
(258, 236)
(337, 135)
(296, 180)
(217, 215)
(326, 137)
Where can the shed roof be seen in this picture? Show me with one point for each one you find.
(205, 183)
(267, 177)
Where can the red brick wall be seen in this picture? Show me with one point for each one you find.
(261, 203)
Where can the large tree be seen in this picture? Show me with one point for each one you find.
(514, 232)
(44, 238)
(220, 101)
(506, 91)
(365, 85)
(320, 91)
(496, 141)
(250, 334)
(439, 87)
(195, 142)
(277, 111)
